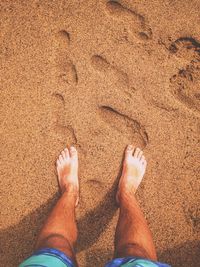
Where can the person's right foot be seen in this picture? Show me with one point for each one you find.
(67, 169)
(134, 166)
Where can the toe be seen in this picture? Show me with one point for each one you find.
(140, 154)
(63, 154)
(66, 152)
(61, 159)
(136, 153)
(73, 151)
(58, 162)
(129, 150)
(144, 163)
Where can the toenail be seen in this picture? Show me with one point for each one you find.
(130, 147)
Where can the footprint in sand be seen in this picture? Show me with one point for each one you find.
(192, 215)
(185, 85)
(132, 129)
(61, 130)
(67, 72)
(102, 65)
(185, 47)
(134, 21)
(63, 38)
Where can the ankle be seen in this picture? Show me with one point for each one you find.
(70, 189)
(70, 192)
(125, 197)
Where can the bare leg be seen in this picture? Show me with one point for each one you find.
(132, 237)
(60, 230)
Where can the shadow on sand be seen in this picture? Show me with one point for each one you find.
(184, 255)
(17, 241)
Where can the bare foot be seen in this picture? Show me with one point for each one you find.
(67, 169)
(134, 167)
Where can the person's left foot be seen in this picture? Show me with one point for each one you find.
(67, 169)
(134, 166)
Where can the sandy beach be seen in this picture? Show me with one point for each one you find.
(100, 75)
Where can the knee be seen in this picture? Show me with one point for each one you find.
(56, 241)
(54, 238)
(135, 250)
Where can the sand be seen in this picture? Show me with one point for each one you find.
(100, 75)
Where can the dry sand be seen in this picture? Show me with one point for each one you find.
(100, 75)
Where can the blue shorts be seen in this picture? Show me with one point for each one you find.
(54, 258)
